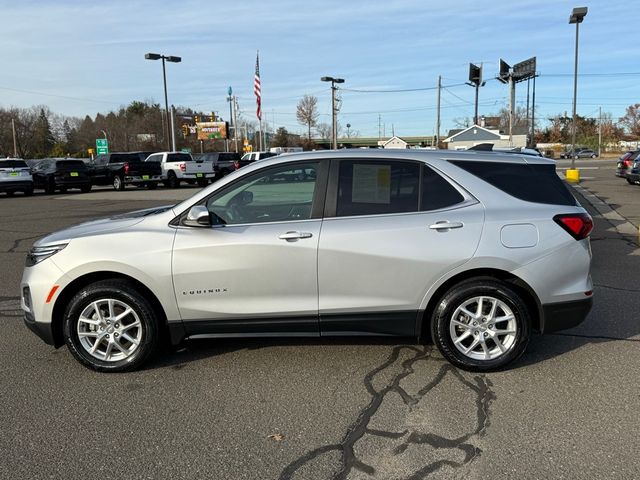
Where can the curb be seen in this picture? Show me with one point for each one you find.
(623, 226)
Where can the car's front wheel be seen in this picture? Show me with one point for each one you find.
(110, 327)
(481, 325)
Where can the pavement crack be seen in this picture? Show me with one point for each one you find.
(10, 307)
(16, 243)
(619, 289)
(595, 337)
(480, 385)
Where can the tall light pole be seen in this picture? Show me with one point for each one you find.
(475, 80)
(334, 111)
(577, 16)
(168, 58)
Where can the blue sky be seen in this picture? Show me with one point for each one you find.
(87, 57)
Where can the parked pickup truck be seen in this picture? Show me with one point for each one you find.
(179, 166)
(125, 168)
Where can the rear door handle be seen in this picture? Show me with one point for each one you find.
(446, 225)
(295, 235)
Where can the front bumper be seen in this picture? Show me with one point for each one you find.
(564, 315)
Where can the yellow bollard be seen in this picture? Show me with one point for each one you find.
(573, 175)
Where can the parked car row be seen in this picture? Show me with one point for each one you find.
(119, 169)
(580, 153)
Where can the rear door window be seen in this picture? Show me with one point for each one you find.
(377, 187)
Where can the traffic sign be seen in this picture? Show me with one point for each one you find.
(102, 146)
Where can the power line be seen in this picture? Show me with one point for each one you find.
(400, 90)
(60, 96)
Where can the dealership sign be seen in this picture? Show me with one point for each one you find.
(211, 130)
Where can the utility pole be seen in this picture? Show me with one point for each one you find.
(533, 113)
(235, 121)
(512, 98)
(334, 109)
(519, 73)
(527, 117)
(379, 128)
(173, 129)
(229, 99)
(438, 112)
(599, 131)
(15, 144)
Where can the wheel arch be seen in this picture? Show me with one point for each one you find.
(70, 290)
(527, 293)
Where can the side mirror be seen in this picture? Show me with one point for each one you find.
(198, 216)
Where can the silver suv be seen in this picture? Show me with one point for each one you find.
(15, 176)
(473, 249)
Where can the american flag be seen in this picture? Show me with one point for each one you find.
(256, 88)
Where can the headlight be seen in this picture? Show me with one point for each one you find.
(38, 254)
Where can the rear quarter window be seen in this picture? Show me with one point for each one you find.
(13, 164)
(537, 183)
(71, 164)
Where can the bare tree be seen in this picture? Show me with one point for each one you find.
(307, 112)
(631, 119)
(324, 130)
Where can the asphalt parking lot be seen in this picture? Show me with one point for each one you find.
(316, 409)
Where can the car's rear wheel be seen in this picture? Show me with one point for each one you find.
(172, 181)
(118, 183)
(110, 327)
(481, 325)
(629, 181)
(594, 156)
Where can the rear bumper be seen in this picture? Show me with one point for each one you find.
(72, 182)
(564, 315)
(140, 179)
(16, 186)
(633, 177)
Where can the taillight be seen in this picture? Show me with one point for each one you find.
(183, 167)
(626, 163)
(578, 225)
(236, 164)
(126, 168)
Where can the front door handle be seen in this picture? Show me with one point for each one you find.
(445, 225)
(295, 235)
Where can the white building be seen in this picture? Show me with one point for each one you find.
(474, 135)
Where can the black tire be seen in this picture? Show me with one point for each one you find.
(152, 185)
(172, 180)
(50, 186)
(629, 182)
(85, 188)
(119, 290)
(118, 183)
(463, 292)
(594, 156)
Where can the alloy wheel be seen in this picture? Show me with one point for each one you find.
(483, 328)
(109, 330)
